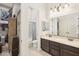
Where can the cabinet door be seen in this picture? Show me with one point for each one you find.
(54, 48)
(45, 45)
(69, 50)
(65, 52)
(54, 52)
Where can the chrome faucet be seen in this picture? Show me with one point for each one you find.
(70, 39)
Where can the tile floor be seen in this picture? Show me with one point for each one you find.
(33, 52)
(5, 51)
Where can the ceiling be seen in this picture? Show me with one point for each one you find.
(7, 6)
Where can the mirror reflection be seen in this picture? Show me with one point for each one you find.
(67, 25)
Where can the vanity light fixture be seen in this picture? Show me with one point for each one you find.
(59, 7)
(66, 5)
(50, 10)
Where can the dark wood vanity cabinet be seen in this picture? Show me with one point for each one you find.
(54, 48)
(65, 52)
(58, 49)
(45, 45)
(69, 50)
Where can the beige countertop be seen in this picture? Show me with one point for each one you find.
(63, 40)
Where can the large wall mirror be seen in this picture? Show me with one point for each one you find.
(67, 25)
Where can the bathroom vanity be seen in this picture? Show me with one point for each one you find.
(60, 46)
(65, 36)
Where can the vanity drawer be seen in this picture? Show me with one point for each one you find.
(54, 48)
(45, 42)
(65, 52)
(70, 48)
(54, 43)
(54, 52)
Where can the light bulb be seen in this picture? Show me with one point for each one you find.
(60, 8)
(55, 10)
(51, 12)
(66, 5)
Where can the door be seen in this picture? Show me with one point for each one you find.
(11, 31)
